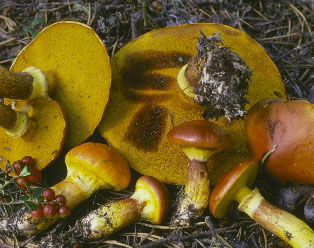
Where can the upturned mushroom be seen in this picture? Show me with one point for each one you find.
(58, 62)
(91, 166)
(148, 202)
(287, 126)
(38, 132)
(199, 139)
(234, 185)
(145, 94)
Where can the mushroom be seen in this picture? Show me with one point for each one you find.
(91, 166)
(288, 125)
(199, 139)
(145, 93)
(69, 61)
(234, 185)
(38, 132)
(148, 202)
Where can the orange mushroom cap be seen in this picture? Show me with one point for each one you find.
(228, 184)
(201, 134)
(155, 195)
(100, 163)
(289, 127)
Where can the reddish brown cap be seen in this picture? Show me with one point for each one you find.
(288, 125)
(200, 133)
(154, 194)
(228, 185)
(99, 164)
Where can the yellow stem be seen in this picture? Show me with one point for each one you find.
(285, 225)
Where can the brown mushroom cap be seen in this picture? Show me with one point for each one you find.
(154, 195)
(44, 142)
(75, 60)
(289, 126)
(200, 133)
(145, 95)
(101, 164)
(228, 185)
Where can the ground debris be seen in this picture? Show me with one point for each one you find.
(283, 28)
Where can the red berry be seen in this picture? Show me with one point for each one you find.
(38, 213)
(49, 210)
(17, 168)
(35, 176)
(48, 194)
(21, 182)
(61, 199)
(64, 211)
(28, 160)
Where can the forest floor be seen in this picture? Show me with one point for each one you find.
(283, 28)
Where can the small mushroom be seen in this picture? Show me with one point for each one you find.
(91, 166)
(69, 61)
(288, 126)
(234, 185)
(38, 132)
(145, 93)
(199, 139)
(149, 202)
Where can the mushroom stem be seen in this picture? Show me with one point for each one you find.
(242, 193)
(110, 218)
(15, 85)
(149, 202)
(8, 116)
(14, 122)
(76, 187)
(196, 194)
(283, 224)
(26, 85)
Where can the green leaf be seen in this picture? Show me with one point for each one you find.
(25, 198)
(30, 205)
(24, 170)
(37, 21)
(34, 34)
(36, 196)
(26, 29)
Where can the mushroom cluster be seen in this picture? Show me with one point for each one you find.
(55, 64)
(149, 85)
(146, 98)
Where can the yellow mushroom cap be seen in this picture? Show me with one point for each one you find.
(100, 164)
(154, 196)
(145, 98)
(77, 66)
(228, 185)
(43, 141)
